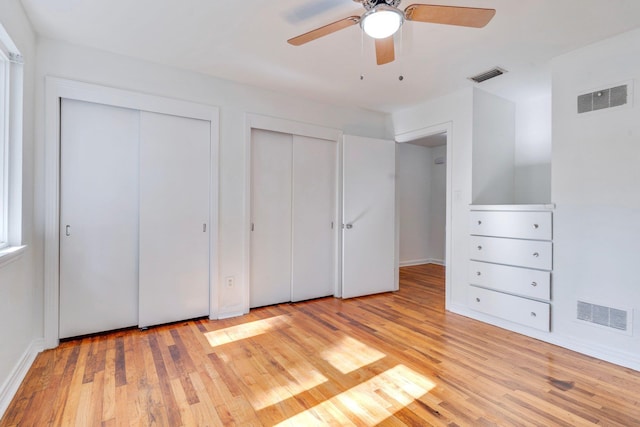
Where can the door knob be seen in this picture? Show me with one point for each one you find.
(348, 226)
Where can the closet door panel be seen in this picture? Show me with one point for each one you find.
(314, 216)
(271, 218)
(174, 218)
(98, 218)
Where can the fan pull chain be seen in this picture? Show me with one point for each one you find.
(361, 55)
(401, 60)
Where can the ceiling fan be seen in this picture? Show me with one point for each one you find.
(382, 19)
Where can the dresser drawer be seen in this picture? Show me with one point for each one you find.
(515, 280)
(523, 253)
(515, 309)
(520, 225)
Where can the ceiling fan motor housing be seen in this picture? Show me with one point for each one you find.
(370, 4)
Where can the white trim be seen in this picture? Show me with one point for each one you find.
(257, 121)
(56, 89)
(19, 372)
(450, 164)
(626, 359)
(412, 262)
(11, 143)
(509, 208)
(230, 314)
(10, 254)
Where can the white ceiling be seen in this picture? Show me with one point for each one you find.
(245, 41)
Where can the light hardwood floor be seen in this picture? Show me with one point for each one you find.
(389, 359)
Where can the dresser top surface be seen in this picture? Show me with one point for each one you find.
(514, 208)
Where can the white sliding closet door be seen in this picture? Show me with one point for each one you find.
(174, 218)
(271, 157)
(368, 242)
(314, 213)
(98, 218)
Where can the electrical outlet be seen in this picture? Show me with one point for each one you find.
(229, 281)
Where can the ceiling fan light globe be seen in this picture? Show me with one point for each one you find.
(382, 21)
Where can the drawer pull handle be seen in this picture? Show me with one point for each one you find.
(479, 247)
(479, 273)
(534, 284)
(533, 314)
(477, 299)
(479, 222)
(536, 254)
(535, 226)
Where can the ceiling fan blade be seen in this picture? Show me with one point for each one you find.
(323, 31)
(385, 50)
(450, 15)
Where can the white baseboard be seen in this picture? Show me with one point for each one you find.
(228, 315)
(611, 355)
(11, 384)
(420, 262)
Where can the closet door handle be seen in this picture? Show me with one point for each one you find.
(67, 230)
(204, 228)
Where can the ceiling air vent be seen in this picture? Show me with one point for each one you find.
(482, 77)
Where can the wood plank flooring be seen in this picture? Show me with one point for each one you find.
(390, 359)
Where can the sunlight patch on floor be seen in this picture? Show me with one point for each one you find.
(349, 354)
(368, 401)
(245, 330)
(306, 378)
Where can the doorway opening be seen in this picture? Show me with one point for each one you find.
(423, 197)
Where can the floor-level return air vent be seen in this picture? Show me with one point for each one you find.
(482, 77)
(604, 316)
(616, 96)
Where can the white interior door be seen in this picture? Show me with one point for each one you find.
(368, 253)
(98, 218)
(271, 157)
(174, 218)
(314, 216)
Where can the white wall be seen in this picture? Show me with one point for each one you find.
(532, 157)
(438, 206)
(493, 149)
(21, 280)
(421, 187)
(413, 184)
(456, 109)
(235, 100)
(595, 185)
(595, 179)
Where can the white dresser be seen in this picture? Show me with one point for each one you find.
(511, 259)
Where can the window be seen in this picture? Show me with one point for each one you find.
(4, 148)
(11, 69)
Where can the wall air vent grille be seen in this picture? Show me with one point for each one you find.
(603, 98)
(604, 316)
(482, 77)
